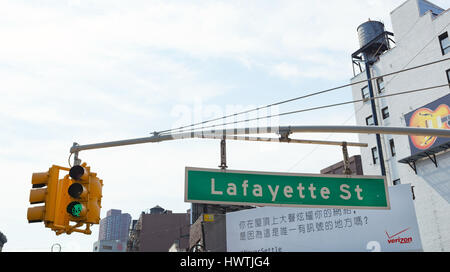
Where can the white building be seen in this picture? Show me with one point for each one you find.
(110, 246)
(421, 34)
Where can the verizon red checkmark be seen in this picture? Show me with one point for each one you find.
(401, 240)
(390, 237)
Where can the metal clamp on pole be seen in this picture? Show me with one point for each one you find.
(284, 134)
(347, 170)
(76, 160)
(223, 154)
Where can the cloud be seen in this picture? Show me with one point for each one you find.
(287, 70)
(108, 36)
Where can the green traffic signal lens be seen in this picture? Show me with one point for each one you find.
(75, 208)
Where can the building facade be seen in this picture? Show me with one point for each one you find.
(420, 31)
(115, 226)
(110, 246)
(158, 230)
(355, 166)
(209, 235)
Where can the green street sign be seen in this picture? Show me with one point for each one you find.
(215, 186)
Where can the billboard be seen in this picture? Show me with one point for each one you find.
(433, 115)
(286, 229)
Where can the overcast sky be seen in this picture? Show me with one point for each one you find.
(95, 71)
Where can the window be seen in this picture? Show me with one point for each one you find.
(392, 146)
(369, 121)
(374, 155)
(365, 93)
(380, 84)
(445, 43)
(448, 75)
(396, 182)
(385, 112)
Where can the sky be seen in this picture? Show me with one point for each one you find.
(97, 71)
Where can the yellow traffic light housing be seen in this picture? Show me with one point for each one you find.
(76, 197)
(95, 199)
(84, 194)
(44, 190)
(78, 192)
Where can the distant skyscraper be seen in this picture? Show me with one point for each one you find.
(115, 226)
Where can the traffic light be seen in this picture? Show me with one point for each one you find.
(85, 194)
(76, 198)
(44, 190)
(78, 192)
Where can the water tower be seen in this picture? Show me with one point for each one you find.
(157, 210)
(373, 41)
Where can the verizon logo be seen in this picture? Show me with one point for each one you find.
(392, 239)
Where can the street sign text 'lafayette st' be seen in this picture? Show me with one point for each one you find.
(216, 186)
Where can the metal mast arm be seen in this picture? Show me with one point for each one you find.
(282, 129)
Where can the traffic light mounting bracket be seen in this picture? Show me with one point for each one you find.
(76, 160)
(74, 228)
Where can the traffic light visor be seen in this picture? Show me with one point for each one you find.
(36, 214)
(78, 172)
(38, 195)
(75, 190)
(39, 180)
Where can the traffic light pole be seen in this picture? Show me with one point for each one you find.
(282, 130)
